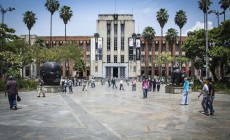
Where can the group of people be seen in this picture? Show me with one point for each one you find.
(208, 93)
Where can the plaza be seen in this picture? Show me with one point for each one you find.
(104, 113)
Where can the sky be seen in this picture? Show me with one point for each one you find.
(85, 14)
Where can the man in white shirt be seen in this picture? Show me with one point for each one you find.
(121, 84)
(204, 102)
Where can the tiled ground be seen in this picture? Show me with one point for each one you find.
(105, 113)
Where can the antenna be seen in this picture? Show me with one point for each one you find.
(138, 28)
(115, 6)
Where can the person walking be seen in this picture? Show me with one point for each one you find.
(158, 83)
(211, 96)
(134, 85)
(204, 101)
(114, 83)
(154, 84)
(12, 92)
(41, 88)
(84, 84)
(70, 84)
(121, 84)
(65, 85)
(109, 82)
(184, 100)
(145, 87)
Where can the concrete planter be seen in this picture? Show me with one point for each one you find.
(174, 89)
(52, 89)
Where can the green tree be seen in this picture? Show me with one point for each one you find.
(6, 34)
(171, 36)
(65, 14)
(29, 19)
(162, 18)
(202, 6)
(51, 6)
(224, 4)
(148, 34)
(163, 59)
(37, 49)
(180, 20)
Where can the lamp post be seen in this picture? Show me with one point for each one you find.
(206, 48)
(3, 11)
(217, 14)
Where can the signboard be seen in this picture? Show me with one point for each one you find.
(138, 43)
(92, 53)
(138, 53)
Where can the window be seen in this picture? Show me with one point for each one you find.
(115, 58)
(108, 58)
(142, 58)
(108, 35)
(150, 58)
(88, 47)
(96, 69)
(115, 37)
(163, 47)
(169, 48)
(96, 57)
(122, 58)
(134, 68)
(81, 45)
(122, 36)
(134, 58)
(142, 47)
(88, 58)
(150, 47)
(156, 47)
(177, 47)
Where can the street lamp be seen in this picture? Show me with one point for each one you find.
(206, 34)
(217, 14)
(3, 11)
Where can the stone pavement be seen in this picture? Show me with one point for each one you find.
(104, 113)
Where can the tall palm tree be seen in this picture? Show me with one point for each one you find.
(148, 34)
(162, 18)
(29, 19)
(180, 20)
(52, 6)
(171, 37)
(202, 6)
(65, 14)
(224, 5)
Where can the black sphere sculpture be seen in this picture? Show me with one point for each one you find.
(177, 76)
(51, 73)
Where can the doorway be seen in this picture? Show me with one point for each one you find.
(115, 72)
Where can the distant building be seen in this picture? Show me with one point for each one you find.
(116, 51)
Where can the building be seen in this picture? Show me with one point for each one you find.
(117, 51)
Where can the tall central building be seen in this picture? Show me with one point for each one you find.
(110, 47)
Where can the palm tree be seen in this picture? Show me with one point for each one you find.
(52, 6)
(224, 5)
(148, 34)
(29, 19)
(171, 37)
(65, 14)
(162, 18)
(180, 20)
(202, 6)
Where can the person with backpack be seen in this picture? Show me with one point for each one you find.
(12, 92)
(70, 84)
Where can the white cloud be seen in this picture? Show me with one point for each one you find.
(199, 25)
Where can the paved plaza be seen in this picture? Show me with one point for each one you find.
(104, 113)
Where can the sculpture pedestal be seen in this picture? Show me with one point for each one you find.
(52, 89)
(173, 89)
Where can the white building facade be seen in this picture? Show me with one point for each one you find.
(110, 47)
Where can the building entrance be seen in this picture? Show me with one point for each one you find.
(115, 71)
